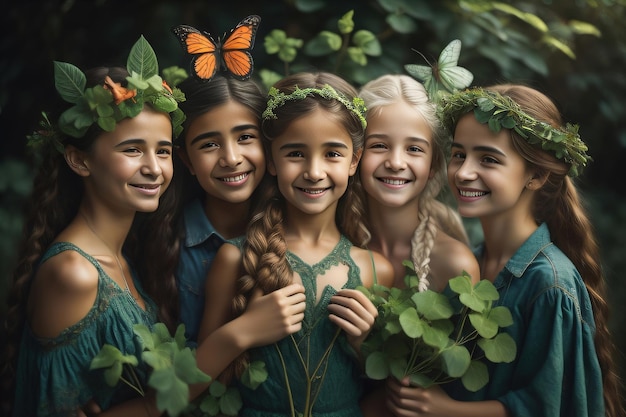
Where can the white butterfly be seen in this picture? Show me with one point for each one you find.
(445, 71)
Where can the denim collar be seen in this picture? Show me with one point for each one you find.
(198, 228)
(526, 254)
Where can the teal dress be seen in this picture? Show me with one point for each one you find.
(315, 363)
(53, 376)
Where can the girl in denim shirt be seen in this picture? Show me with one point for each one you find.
(512, 163)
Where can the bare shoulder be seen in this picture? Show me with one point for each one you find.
(63, 292)
(68, 271)
(449, 258)
(373, 264)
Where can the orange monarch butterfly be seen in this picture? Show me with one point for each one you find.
(231, 53)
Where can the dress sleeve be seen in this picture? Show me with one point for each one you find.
(557, 372)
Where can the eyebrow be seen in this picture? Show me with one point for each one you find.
(304, 145)
(142, 142)
(214, 133)
(384, 136)
(489, 149)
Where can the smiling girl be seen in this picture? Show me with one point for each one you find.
(306, 231)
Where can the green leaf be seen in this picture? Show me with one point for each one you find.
(455, 360)
(501, 315)
(435, 337)
(230, 402)
(145, 336)
(376, 366)
(485, 327)
(432, 305)
(584, 28)
(217, 389)
(186, 367)
(69, 81)
(323, 43)
(254, 375)
(402, 23)
(476, 376)
(161, 356)
(499, 349)
(368, 42)
(179, 337)
(142, 59)
(174, 75)
(106, 123)
(357, 55)
(112, 375)
(346, 24)
(398, 367)
(411, 323)
(486, 291)
(210, 405)
(107, 356)
(461, 284)
(172, 393)
(473, 302)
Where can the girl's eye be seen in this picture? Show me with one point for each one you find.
(334, 154)
(490, 160)
(132, 150)
(208, 145)
(415, 149)
(377, 146)
(458, 155)
(295, 154)
(164, 151)
(246, 137)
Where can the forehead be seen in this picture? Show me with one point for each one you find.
(316, 128)
(398, 120)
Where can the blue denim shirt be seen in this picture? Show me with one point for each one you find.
(556, 371)
(197, 252)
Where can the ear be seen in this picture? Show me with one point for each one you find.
(536, 181)
(77, 161)
(356, 157)
(184, 156)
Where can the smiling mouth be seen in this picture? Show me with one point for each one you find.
(236, 178)
(313, 190)
(390, 181)
(147, 186)
(472, 193)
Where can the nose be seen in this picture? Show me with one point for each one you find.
(230, 156)
(314, 171)
(395, 161)
(152, 165)
(465, 171)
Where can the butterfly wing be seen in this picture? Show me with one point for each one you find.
(452, 76)
(203, 49)
(235, 50)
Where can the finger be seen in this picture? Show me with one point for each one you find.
(354, 307)
(360, 298)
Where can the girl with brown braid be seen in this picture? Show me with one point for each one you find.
(309, 231)
(511, 157)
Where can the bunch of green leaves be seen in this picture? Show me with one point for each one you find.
(97, 104)
(357, 45)
(434, 339)
(173, 366)
(226, 400)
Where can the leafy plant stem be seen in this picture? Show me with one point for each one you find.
(342, 51)
(132, 381)
(290, 395)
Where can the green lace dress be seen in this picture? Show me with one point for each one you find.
(53, 376)
(316, 366)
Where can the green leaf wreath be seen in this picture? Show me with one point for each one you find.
(434, 339)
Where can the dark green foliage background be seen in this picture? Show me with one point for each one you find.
(590, 89)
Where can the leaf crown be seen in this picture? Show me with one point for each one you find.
(277, 98)
(499, 111)
(109, 103)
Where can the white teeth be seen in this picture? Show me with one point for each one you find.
(306, 190)
(472, 193)
(234, 179)
(394, 182)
